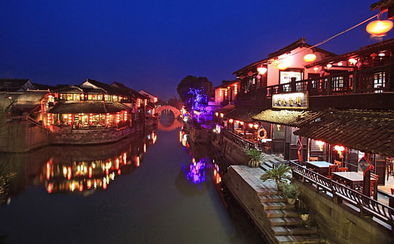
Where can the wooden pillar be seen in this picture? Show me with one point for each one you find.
(367, 183)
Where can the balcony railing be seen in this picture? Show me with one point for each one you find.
(371, 80)
(346, 196)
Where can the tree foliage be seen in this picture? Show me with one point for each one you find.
(193, 83)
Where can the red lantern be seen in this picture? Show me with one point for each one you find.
(379, 28)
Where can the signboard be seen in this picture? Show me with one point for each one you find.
(298, 100)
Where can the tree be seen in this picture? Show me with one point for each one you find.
(190, 86)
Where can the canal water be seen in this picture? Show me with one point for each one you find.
(144, 189)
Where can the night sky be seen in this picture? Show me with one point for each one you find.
(152, 45)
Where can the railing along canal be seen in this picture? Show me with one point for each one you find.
(344, 195)
(239, 140)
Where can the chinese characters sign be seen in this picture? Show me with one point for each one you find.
(296, 100)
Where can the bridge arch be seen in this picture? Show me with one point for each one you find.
(174, 110)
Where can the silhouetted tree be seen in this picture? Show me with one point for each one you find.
(193, 82)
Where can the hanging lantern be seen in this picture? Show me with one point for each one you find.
(310, 57)
(352, 61)
(340, 150)
(230, 120)
(316, 69)
(250, 125)
(320, 144)
(256, 126)
(261, 70)
(281, 66)
(379, 28)
(329, 66)
(340, 64)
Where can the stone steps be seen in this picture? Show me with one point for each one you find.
(272, 198)
(280, 213)
(294, 239)
(293, 230)
(276, 205)
(285, 221)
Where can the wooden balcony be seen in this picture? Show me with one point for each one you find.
(336, 90)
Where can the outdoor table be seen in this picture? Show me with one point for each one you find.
(320, 167)
(353, 179)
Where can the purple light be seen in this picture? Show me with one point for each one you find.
(195, 173)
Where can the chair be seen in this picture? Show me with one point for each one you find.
(338, 163)
(331, 169)
(342, 169)
(313, 158)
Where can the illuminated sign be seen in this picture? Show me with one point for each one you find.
(296, 100)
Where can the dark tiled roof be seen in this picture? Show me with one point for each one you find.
(284, 117)
(88, 107)
(226, 84)
(130, 91)
(368, 131)
(382, 4)
(112, 90)
(42, 86)
(68, 89)
(12, 85)
(226, 109)
(299, 43)
(243, 113)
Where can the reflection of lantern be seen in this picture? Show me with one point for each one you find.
(340, 64)
(316, 69)
(310, 57)
(382, 54)
(320, 144)
(221, 115)
(216, 114)
(261, 70)
(379, 28)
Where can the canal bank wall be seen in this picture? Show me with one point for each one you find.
(341, 225)
(19, 136)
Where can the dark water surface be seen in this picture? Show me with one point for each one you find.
(117, 194)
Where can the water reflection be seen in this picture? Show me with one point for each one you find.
(77, 169)
(197, 170)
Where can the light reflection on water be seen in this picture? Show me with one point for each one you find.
(78, 169)
(138, 198)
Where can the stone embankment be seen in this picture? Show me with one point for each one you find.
(269, 210)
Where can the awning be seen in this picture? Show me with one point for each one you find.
(226, 109)
(88, 107)
(242, 113)
(285, 117)
(367, 131)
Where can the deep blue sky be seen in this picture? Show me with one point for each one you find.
(152, 45)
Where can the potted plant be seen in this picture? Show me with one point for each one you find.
(254, 155)
(280, 174)
(304, 215)
(291, 192)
